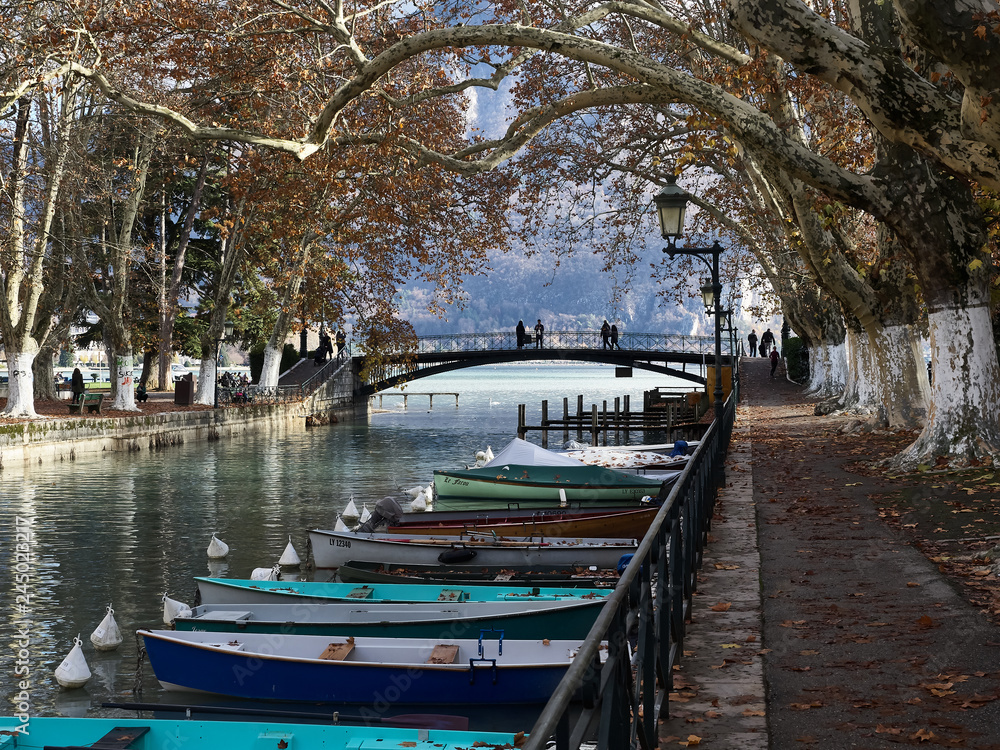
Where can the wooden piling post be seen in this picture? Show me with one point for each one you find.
(628, 416)
(521, 424)
(545, 423)
(565, 419)
(593, 425)
(579, 417)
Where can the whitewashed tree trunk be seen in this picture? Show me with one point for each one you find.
(205, 390)
(269, 373)
(963, 421)
(21, 385)
(827, 370)
(124, 380)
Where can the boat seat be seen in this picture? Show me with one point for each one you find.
(362, 592)
(338, 651)
(451, 595)
(118, 738)
(443, 654)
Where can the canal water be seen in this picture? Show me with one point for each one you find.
(125, 529)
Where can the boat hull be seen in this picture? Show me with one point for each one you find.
(166, 734)
(626, 522)
(331, 549)
(276, 667)
(241, 591)
(517, 619)
(513, 482)
(362, 572)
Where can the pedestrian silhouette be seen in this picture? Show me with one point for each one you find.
(520, 334)
(766, 342)
(539, 330)
(605, 333)
(614, 337)
(774, 360)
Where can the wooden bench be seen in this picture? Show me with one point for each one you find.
(338, 651)
(91, 400)
(443, 654)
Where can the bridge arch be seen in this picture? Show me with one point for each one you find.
(652, 352)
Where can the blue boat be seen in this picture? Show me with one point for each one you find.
(242, 591)
(332, 669)
(57, 732)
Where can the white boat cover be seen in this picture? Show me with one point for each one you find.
(522, 452)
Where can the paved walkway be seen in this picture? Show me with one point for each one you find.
(816, 625)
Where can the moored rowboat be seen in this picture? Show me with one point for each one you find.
(478, 575)
(331, 549)
(515, 482)
(331, 669)
(242, 591)
(165, 734)
(567, 618)
(632, 522)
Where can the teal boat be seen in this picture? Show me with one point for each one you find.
(60, 733)
(516, 619)
(514, 482)
(242, 591)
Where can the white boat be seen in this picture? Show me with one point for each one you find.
(331, 549)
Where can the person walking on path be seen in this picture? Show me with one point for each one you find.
(774, 360)
(766, 342)
(614, 337)
(77, 385)
(539, 330)
(519, 331)
(341, 340)
(752, 340)
(605, 333)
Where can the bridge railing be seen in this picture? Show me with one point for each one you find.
(504, 340)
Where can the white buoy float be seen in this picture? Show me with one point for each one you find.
(73, 672)
(289, 558)
(173, 609)
(350, 513)
(414, 491)
(266, 574)
(217, 549)
(365, 513)
(340, 525)
(562, 498)
(107, 636)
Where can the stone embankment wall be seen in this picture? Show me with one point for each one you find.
(57, 440)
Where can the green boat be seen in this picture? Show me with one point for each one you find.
(525, 620)
(513, 482)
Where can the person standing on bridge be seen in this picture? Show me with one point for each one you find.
(520, 334)
(341, 340)
(614, 336)
(605, 333)
(766, 342)
(752, 340)
(539, 330)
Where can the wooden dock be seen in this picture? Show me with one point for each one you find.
(407, 394)
(675, 414)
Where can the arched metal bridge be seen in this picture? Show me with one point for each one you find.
(646, 351)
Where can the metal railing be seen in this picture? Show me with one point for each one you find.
(283, 394)
(503, 340)
(642, 621)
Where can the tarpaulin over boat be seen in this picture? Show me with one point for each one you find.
(522, 452)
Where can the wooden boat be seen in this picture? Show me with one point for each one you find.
(331, 549)
(334, 669)
(478, 575)
(57, 732)
(632, 522)
(240, 592)
(593, 484)
(522, 619)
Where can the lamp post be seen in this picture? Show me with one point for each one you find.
(670, 205)
(227, 333)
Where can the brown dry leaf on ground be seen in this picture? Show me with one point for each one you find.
(60, 410)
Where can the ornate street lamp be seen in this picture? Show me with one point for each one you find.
(670, 205)
(227, 334)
